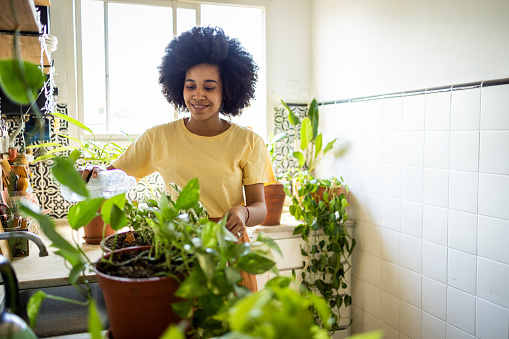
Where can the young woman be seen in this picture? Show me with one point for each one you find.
(207, 74)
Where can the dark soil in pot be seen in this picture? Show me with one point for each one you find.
(140, 265)
(125, 240)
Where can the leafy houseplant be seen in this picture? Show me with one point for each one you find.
(327, 244)
(309, 151)
(320, 205)
(203, 257)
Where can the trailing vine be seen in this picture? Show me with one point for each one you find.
(327, 244)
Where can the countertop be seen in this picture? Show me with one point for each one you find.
(33, 271)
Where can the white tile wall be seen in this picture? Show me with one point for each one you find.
(410, 320)
(432, 328)
(493, 235)
(436, 149)
(436, 187)
(429, 193)
(462, 231)
(464, 148)
(438, 112)
(495, 108)
(461, 310)
(434, 297)
(492, 321)
(463, 188)
(461, 270)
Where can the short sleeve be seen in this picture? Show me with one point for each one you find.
(258, 168)
(137, 159)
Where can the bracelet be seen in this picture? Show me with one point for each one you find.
(247, 209)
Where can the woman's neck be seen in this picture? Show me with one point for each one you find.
(206, 128)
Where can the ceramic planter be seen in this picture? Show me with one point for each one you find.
(94, 231)
(138, 308)
(274, 200)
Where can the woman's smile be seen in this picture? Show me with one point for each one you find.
(203, 91)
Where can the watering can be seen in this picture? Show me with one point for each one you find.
(11, 325)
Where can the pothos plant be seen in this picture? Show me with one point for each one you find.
(327, 246)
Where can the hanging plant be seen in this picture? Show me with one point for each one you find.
(327, 244)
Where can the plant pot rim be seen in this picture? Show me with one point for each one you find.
(123, 279)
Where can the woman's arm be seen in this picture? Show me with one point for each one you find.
(255, 203)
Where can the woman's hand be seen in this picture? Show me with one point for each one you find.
(236, 221)
(92, 171)
(250, 215)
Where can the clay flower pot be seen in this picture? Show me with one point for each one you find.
(274, 200)
(94, 231)
(141, 307)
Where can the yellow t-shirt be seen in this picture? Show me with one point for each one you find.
(222, 163)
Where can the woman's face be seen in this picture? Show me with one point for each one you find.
(203, 91)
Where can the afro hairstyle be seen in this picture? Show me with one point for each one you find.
(209, 45)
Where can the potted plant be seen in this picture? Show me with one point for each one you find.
(320, 205)
(201, 258)
(274, 192)
(89, 151)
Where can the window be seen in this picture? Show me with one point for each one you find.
(122, 44)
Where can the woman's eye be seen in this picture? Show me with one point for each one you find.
(190, 87)
(210, 88)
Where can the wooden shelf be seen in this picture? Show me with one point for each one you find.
(27, 17)
(26, 13)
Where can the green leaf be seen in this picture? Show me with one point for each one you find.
(300, 158)
(292, 118)
(269, 242)
(183, 309)
(83, 212)
(306, 133)
(109, 210)
(117, 218)
(207, 264)
(313, 116)
(173, 332)
(44, 157)
(329, 146)
(65, 173)
(189, 196)
(20, 80)
(33, 307)
(74, 155)
(318, 144)
(94, 321)
(73, 121)
(377, 334)
(254, 263)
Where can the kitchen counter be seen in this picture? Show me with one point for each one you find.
(33, 271)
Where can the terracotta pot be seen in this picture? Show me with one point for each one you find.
(274, 200)
(336, 190)
(318, 195)
(138, 308)
(94, 231)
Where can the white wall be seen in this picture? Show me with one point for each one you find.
(429, 173)
(376, 47)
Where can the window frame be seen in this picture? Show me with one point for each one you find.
(174, 4)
